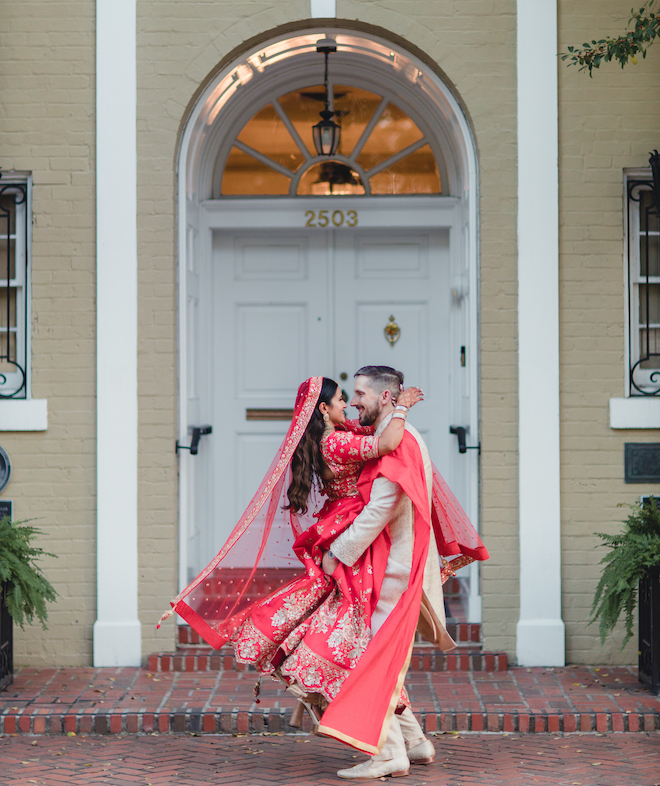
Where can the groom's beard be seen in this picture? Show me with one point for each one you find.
(369, 416)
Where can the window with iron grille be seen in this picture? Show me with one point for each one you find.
(14, 280)
(643, 252)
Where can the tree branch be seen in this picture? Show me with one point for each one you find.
(626, 47)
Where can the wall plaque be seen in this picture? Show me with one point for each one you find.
(6, 508)
(642, 462)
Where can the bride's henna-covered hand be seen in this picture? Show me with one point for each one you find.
(392, 434)
(410, 396)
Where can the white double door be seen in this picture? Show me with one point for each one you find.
(274, 306)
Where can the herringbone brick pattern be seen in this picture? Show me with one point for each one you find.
(474, 760)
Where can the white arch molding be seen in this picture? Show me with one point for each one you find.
(278, 66)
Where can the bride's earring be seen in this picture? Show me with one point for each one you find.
(326, 419)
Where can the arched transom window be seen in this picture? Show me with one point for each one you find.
(382, 150)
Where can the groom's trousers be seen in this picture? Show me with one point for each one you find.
(404, 733)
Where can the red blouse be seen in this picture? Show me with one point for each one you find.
(345, 452)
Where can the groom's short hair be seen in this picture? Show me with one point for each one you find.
(382, 378)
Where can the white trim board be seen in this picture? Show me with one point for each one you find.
(540, 630)
(635, 412)
(117, 638)
(369, 212)
(29, 414)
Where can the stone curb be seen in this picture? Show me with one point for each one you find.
(52, 722)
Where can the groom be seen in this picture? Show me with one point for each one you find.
(401, 740)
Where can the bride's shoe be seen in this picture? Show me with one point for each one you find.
(297, 715)
(313, 710)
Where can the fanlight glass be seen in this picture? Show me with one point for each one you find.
(381, 149)
(330, 178)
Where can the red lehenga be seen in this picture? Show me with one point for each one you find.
(315, 629)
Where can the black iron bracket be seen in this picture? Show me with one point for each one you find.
(197, 433)
(460, 432)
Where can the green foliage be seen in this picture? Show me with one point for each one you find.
(633, 551)
(626, 47)
(28, 589)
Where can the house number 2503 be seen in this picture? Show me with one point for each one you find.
(323, 218)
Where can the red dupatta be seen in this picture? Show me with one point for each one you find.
(361, 713)
(454, 534)
(259, 548)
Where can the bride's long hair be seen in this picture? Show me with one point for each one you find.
(307, 461)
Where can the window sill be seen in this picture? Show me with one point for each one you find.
(635, 412)
(24, 414)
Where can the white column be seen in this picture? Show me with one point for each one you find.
(117, 635)
(540, 630)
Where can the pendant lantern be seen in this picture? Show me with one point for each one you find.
(326, 132)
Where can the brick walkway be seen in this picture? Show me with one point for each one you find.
(112, 701)
(472, 760)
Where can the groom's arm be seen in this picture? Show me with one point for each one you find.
(352, 543)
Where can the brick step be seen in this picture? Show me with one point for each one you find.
(465, 634)
(69, 721)
(424, 658)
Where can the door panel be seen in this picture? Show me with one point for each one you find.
(404, 274)
(376, 258)
(271, 329)
(254, 454)
(270, 258)
(271, 348)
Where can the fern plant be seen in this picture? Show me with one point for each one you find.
(27, 587)
(633, 551)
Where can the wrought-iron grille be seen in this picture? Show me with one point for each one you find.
(649, 629)
(644, 289)
(13, 290)
(6, 641)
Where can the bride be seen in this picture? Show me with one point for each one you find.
(311, 631)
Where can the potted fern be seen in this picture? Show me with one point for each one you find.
(632, 575)
(24, 588)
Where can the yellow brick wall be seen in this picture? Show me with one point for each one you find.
(606, 123)
(47, 126)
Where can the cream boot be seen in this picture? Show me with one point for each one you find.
(422, 753)
(368, 770)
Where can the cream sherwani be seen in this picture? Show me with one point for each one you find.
(389, 505)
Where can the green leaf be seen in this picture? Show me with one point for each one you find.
(27, 587)
(623, 48)
(633, 551)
